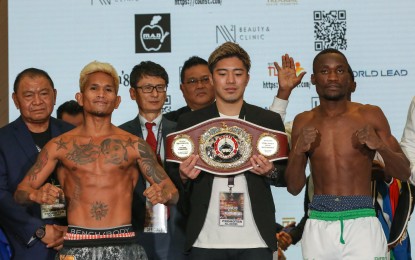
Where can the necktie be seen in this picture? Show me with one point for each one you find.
(151, 139)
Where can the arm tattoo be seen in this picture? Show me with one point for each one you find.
(99, 210)
(61, 144)
(83, 153)
(114, 151)
(38, 166)
(149, 163)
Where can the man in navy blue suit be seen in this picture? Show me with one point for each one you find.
(30, 236)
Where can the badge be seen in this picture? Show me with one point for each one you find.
(56, 210)
(231, 209)
(156, 218)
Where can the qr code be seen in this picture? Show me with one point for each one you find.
(330, 30)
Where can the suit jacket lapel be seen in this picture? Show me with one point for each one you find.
(25, 140)
(167, 127)
(135, 127)
(55, 127)
(243, 114)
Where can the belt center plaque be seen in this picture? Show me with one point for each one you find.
(225, 145)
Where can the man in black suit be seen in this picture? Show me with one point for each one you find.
(149, 83)
(205, 238)
(196, 87)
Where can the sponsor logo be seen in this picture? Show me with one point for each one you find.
(281, 2)
(124, 79)
(234, 33)
(197, 2)
(152, 33)
(111, 2)
(380, 73)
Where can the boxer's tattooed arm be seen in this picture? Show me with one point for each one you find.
(41, 161)
(22, 196)
(148, 163)
(61, 144)
(99, 210)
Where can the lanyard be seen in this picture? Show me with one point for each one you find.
(231, 183)
(159, 138)
(231, 179)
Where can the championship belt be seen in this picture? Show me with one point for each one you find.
(225, 145)
(399, 225)
(398, 230)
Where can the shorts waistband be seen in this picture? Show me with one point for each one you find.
(342, 215)
(335, 203)
(82, 233)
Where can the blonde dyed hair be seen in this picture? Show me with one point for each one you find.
(97, 66)
(228, 50)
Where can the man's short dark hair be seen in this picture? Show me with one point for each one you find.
(147, 68)
(32, 73)
(70, 107)
(331, 50)
(229, 50)
(191, 62)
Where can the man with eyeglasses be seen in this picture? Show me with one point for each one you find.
(159, 232)
(196, 87)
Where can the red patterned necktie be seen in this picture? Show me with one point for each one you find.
(151, 140)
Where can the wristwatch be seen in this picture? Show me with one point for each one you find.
(40, 232)
(273, 174)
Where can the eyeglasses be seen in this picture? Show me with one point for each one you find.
(149, 88)
(195, 82)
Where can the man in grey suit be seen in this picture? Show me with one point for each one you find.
(160, 228)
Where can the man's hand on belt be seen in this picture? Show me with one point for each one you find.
(261, 165)
(187, 168)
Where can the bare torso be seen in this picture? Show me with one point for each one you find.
(340, 165)
(98, 176)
